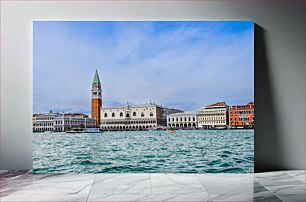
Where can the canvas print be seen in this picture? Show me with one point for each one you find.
(143, 97)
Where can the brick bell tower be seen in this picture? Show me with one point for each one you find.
(96, 99)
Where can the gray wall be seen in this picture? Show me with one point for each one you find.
(279, 63)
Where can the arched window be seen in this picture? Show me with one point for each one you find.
(121, 114)
(113, 114)
(193, 119)
(134, 113)
(189, 119)
(151, 114)
(105, 114)
(127, 115)
(142, 114)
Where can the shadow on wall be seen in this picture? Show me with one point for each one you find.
(267, 145)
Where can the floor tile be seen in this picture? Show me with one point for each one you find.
(175, 184)
(229, 184)
(118, 184)
(182, 198)
(286, 186)
(150, 198)
(43, 198)
(3, 171)
(259, 189)
(50, 184)
(245, 198)
(292, 197)
(298, 175)
(266, 198)
(281, 183)
(14, 181)
(272, 175)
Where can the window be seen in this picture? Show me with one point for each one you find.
(142, 114)
(95, 93)
(134, 113)
(151, 114)
(105, 114)
(121, 114)
(127, 115)
(113, 114)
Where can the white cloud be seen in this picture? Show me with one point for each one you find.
(194, 65)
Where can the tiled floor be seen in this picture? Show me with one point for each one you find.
(272, 186)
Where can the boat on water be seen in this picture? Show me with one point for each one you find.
(87, 130)
(73, 131)
(172, 131)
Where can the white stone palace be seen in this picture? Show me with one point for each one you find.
(136, 117)
(213, 116)
(58, 122)
(182, 120)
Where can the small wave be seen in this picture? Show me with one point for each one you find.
(250, 158)
(81, 157)
(226, 152)
(225, 165)
(232, 170)
(113, 169)
(144, 161)
(40, 170)
(160, 160)
(189, 171)
(212, 170)
(149, 156)
(214, 162)
(87, 162)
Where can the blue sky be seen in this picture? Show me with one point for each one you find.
(182, 64)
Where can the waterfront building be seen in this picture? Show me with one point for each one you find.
(182, 120)
(44, 121)
(242, 116)
(96, 99)
(79, 115)
(76, 123)
(137, 117)
(61, 122)
(213, 116)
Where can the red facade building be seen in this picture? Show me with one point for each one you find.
(242, 116)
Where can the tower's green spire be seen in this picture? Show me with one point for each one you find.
(96, 78)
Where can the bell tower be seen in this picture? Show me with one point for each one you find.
(96, 99)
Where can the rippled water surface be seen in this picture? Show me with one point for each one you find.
(190, 151)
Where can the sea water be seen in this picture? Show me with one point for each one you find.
(185, 151)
